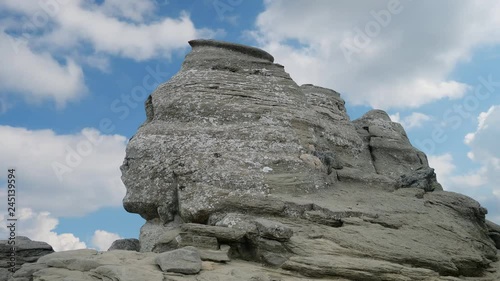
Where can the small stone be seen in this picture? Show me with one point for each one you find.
(312, 161)
(273, 230)
(186, 261)
(267, 169)
(130, 244)
(221, 255)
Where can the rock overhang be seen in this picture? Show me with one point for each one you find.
(243, 49)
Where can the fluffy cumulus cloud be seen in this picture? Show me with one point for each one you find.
(380, 53)
(483, 140)
(66, 175)
(102, 239)
(414, 120)
(40, 226)
(443, 164)
(482, 183)
(44, 44)
(38, 76)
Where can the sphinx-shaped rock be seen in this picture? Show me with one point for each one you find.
(230, 124)
(234, 152)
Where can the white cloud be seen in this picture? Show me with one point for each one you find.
(482, 183)
(472, 179)
(396, 117)
(36, 36)
(128, 9)
(112, 36)
(37, 75)
(102, 240)
(406, 63)
(444, 167)
(67, 175)
(414, 120)
(40, 227)
(483, 141)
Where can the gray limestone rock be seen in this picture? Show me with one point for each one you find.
(90, 265)
(223, 234)
(273, 230)
(26, 251)
(130, 244)
(332, 263)
(492, 227)
(494, 232)
(186, 260)
(125, 273)
(391, 151)
(423, 178)
(202, 241)
(495, 236)
(154, 230)
(221, 255)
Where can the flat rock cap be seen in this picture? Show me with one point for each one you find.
(247, 50)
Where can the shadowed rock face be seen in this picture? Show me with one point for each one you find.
(231, 140)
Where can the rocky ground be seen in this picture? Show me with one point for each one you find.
(241, 174)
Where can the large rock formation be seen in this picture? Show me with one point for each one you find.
(232, 140)
(232, 127)
(240, 162)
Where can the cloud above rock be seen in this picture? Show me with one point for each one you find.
(45, 43)
(381, 53)
(481, 183)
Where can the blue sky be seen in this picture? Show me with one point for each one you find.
(75, 74)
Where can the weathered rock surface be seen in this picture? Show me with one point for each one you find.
(126, 244)
(83, 265)
(122, 265)
(26, 251)
(186, 261)
(494, 232)
(240, 162)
